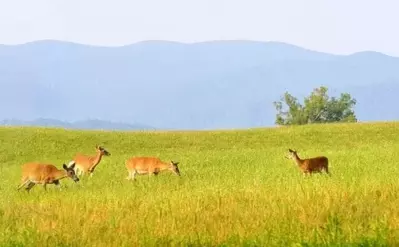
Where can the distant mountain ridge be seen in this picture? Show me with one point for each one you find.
(94, 124)
(171, 85)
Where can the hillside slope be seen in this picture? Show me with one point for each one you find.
(220, 84)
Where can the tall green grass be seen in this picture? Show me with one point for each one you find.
(236, 189)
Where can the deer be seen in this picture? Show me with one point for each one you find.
(41, 173)
(149, 165)
(87, 164)
(310, 165)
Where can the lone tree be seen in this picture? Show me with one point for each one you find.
(317, 108)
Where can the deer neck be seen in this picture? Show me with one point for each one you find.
(298, 160)
(96, 160)
(164, 166)
(60, 174)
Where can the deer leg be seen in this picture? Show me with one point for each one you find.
(24, 182)
(45, 186)
(76, 170)
(30, 186)
(57, 183)
(131, 175)
(156, 171)
(326, 169)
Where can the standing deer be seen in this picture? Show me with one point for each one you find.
(87, 164)
(311, 165)
(38, 173)
(149, 165)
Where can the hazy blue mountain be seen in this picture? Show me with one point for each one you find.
(87, 124)
(219, 84)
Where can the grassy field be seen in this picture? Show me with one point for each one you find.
(236, 189)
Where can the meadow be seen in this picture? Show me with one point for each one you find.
(236, 188)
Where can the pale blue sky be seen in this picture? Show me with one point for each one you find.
(337, 26)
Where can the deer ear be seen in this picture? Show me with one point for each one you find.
(290, 150)
(64, 166)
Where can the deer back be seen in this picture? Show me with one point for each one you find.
(39, 171)
(144, 163)
(316, 163)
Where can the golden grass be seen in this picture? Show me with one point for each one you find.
(236, 189)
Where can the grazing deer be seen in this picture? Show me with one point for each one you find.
(311, 165)
(149, 165)
(87, 164)
(38, 173)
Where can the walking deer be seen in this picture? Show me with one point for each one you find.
(39, 173)
(87, 164)
(149, 165)
(311, 165)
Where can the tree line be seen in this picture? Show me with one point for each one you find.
(318, 107)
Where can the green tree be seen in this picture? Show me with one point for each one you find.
(318, 107)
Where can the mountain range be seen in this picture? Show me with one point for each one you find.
(170, 85)
(91, 124)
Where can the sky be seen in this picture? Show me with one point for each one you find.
(335, 26)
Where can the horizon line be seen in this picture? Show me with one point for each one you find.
(194, 43)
